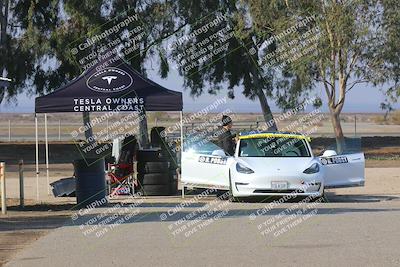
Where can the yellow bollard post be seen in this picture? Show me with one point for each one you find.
(3, 188)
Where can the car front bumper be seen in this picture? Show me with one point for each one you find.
(312, 186)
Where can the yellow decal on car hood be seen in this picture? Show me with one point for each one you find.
(279, 135)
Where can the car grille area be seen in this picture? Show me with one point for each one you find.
(284, 191)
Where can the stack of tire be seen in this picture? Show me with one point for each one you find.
(157, 167)
(154, 173)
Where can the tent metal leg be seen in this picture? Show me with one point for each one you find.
(37, 157)
(183, 186)
(47, 154)
(181, 118)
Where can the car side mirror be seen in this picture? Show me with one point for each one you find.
(329, 153)
(218, 152)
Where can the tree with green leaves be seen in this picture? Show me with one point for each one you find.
(59, 25)
(358, 44)
(231, 67)
(22, 48)
(92, 18)
(240, 64)
(39, 36)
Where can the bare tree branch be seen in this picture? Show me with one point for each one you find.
(324, 81)
(354, 83)
(322, 71)
(352, 63)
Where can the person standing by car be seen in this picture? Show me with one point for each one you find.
(225, 138)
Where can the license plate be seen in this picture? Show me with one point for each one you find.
(279, 185)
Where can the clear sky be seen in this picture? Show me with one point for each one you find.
(362, 98)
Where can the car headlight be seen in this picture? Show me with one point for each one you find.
(243, 169)
(314, 168)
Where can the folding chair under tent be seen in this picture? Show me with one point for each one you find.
(109, 85)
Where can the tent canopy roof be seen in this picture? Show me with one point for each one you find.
(110, 85)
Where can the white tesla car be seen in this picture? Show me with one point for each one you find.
(269, 163)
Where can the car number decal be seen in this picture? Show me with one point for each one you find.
(213, 160)
(334, 160)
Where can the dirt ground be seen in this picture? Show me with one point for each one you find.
(379, 163)
(21, 227)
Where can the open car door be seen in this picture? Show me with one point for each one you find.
(205, 165)
(346, 170)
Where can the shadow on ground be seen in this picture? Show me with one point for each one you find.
(250, 214)
(333, 198)
(43, 222)
(50, 216)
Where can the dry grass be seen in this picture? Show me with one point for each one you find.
(382, 163)
(392, 119)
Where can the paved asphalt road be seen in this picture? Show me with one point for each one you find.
(347, 231)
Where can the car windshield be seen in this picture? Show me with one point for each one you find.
(273, 147)
(199, 145)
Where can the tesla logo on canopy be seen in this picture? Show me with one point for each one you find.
(109, 80)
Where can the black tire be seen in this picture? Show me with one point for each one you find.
(173, 164)
(155, 179)
(173, 182)
(153, 167)
(323, 196)
(174, 187)
(171, 158)
(156, 190)
(172, 172)
(150, 156)
(155, 135)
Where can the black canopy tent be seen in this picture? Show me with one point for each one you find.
(110, 85)
(108, 88)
